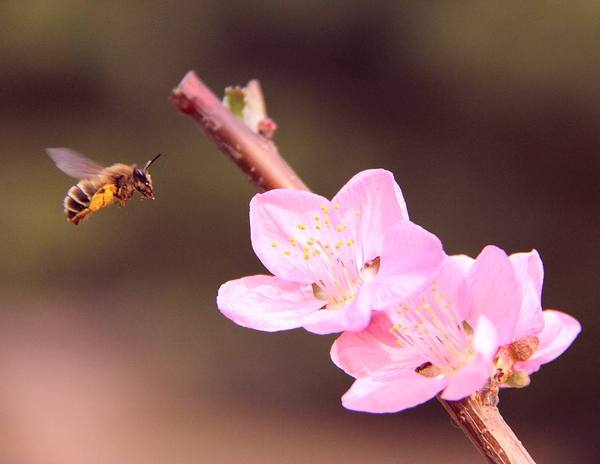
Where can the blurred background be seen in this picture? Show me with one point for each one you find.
(111, 346)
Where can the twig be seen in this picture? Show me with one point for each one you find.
(254, 155)
(487, 430)
(259, 158)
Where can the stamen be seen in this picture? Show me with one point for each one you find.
(328, 254)
(431, 330)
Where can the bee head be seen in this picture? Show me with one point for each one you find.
(142, 180)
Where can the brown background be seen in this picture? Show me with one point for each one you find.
(111, 347)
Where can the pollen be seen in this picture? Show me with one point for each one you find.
(317, 218)
(293, 241)
(340, 227)
(301, 227)
(274, 244)
(318, 227)
(336, 206)
(311, 241)
(305, 248)
(306, 256)
(316, 252)
(287, 252)
(325, 209)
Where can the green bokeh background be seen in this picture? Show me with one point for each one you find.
(111, 346)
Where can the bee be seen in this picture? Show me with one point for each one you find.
(99, 186)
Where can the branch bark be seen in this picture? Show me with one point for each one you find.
(484, 426)
(260, 160)
(255, 155)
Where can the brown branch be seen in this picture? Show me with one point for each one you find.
(255, 155)
(484, 426)
(260, 160)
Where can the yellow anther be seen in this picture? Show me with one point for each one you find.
(317, 218)
(316, 252)
(325, 209)
(318, 227)
(339, 244)
(274, 244)
(301, 227)
(293, 241)
(328, 222)
(287, 252)
(350, 242)
(306, 256)
(305, 248)
(311, 241)
(336, 205)
(340, 227)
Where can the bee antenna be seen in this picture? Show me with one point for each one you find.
(151, 161)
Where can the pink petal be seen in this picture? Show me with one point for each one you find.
(485, 338)
(372, 198)
(353, 317)
(275, 217)
(361, 353)
(530, 275)
(452, 279)
(411, 257)
(464, 262)
(391, 391)
(493, 292)
(266, 302)
(558, 333)
(468, 379)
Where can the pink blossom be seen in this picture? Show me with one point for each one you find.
(539, 336)
(443, 340)
(481, 321)
(332, 261)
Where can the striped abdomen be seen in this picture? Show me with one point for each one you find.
(78, 199)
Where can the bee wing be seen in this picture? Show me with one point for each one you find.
(74, 164)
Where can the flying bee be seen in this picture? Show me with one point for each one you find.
(99, 186)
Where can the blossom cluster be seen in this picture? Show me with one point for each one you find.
(414, 321)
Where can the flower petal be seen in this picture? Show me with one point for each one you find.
(374, 200)
(530, 275)
(463, 261)
(485, 338)
(468, 379)
(411, 258)
(492, 291)
(266, 302)
(558, 333)
(361, 353)
(452, 279)
(353, 317)
(391, 391)
(276, 217)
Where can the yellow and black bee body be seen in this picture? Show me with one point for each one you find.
(99, 186)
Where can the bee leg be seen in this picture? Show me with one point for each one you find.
(79, 216)
(123, 195)
(103, 197)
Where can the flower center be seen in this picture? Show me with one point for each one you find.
(436, 339)
(328, 249)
